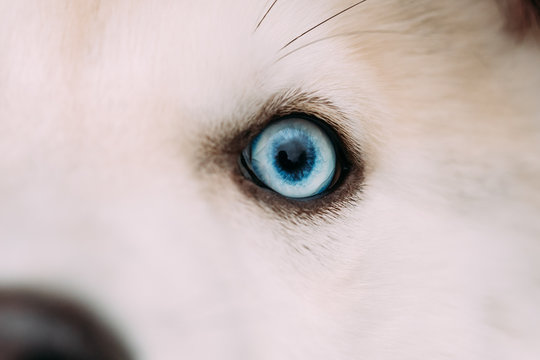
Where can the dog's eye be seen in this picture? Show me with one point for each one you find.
(296, 156)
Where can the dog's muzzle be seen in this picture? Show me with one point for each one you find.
(34, 326)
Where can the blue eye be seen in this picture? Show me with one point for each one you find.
(295, 157)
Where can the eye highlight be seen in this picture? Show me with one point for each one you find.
(297, 157)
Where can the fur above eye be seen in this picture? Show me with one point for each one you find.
(296, 156)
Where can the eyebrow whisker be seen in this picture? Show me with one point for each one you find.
(323, 22)
(352, 33)
(265, 14)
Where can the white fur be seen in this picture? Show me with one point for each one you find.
(103, 108)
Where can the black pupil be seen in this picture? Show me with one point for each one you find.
(295, 159)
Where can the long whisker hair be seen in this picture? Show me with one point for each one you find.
(322, 22)
(351, 33)
(265, 14)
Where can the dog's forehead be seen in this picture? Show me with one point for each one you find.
(124, 48)
(195, 53)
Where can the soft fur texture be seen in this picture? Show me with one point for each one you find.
(120, 185)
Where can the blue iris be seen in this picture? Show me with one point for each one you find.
(294, 157)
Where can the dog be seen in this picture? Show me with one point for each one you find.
(139, 220)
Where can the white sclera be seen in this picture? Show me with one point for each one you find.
(263, 155)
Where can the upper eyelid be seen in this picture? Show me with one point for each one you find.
(286, 104)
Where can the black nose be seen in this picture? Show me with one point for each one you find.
(41, 327)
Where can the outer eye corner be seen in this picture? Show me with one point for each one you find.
(297, 156)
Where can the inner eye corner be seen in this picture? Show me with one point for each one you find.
(297, 156)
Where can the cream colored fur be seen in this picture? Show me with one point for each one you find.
(104, 108)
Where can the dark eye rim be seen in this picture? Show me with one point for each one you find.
(342, 165)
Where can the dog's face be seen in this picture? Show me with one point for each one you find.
(125, 181)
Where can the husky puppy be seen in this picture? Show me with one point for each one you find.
(290, 179)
